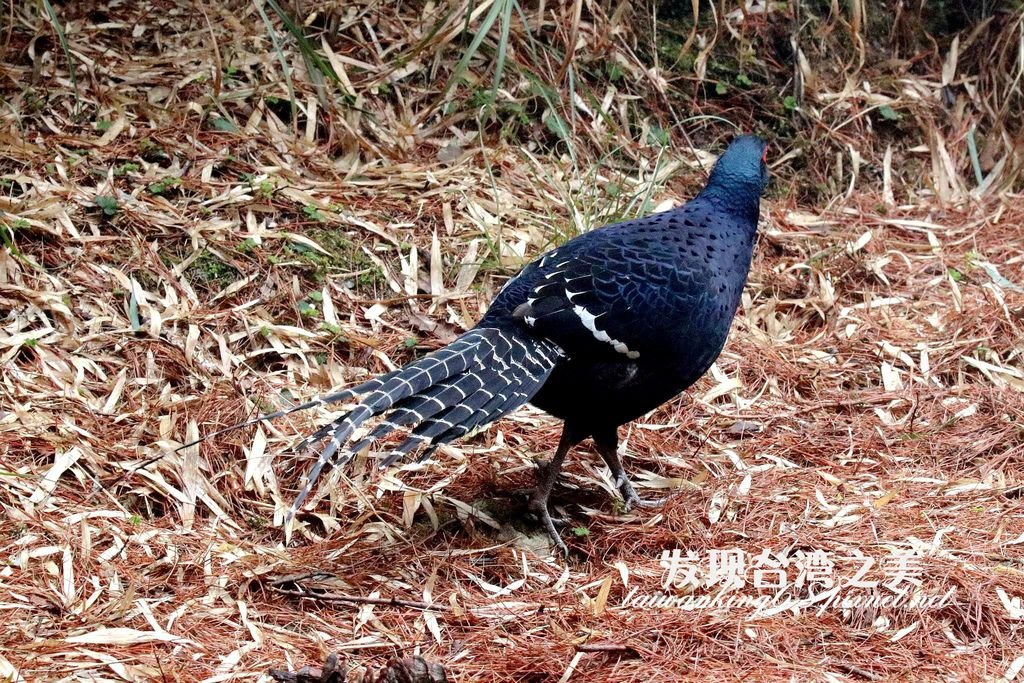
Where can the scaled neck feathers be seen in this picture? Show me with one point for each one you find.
(733, 194)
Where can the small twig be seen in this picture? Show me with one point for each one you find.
(610, 648)
(408, 297)
(359, 600)
(857, 671)
(336, 670)
(913, 412)
(292, 578)
(333, 671)
(301, 592)
(700, 447)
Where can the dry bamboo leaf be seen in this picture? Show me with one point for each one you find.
(125, 636)
(115, 129)
(950, 63)
(62, 462)
(117, 330)
(436, 267)
(601, 601)
(9, 672)
(717, 506)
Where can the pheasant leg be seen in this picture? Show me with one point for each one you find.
(546, 477)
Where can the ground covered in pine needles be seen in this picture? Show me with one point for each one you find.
(201, 222)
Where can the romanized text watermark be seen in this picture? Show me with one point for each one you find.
(772, 582)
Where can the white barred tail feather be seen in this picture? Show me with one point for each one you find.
(631, 314)
(482, 375)
(316, 402)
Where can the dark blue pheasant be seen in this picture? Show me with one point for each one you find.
(597, 332)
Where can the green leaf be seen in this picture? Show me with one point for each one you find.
(557, 125)
(164, 184)
(657, 136)
(721, 88)
(316, 296)
(955, 275)
(246, 246)
(889, 114)
(124, 169)
(108, 204)
(581, 531)
(409, 342)
(149, 148)
(789, 102)
(744, 80)
(133, 312)
(224, 125)
(312, 212)
(7, 238)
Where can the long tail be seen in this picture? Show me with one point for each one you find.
(482, 375)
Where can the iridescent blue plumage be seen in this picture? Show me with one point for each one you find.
(597, 332)
(643, 307)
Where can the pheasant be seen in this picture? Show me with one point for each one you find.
(596, 332)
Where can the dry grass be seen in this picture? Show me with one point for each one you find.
(181, 253)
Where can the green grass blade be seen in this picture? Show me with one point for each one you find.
(63, 39)
(645, 205)
(306, 47)
(499, 65)
(478, 39)
(280, 57)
